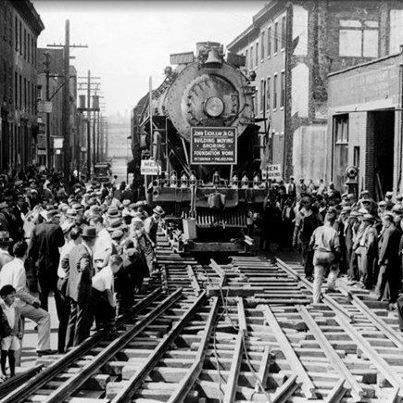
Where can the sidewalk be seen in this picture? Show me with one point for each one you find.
(29, 342)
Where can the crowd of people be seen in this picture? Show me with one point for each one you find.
(338, 234)
(90, 245)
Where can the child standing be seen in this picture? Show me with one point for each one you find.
(10, 333)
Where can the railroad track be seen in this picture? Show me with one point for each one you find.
(244, 330)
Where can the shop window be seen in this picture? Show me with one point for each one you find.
(251, 58)
(358, 39)
(246, 58)
(341, 129)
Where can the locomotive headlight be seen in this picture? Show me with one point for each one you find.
(214, 107)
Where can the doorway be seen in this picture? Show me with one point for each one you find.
(380, 138)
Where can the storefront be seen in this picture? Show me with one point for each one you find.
(365, 124)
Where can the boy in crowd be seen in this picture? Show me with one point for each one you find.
(103, 294)
(10, 332)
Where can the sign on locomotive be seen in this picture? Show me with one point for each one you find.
(213, 145)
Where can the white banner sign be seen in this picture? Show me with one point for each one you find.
(273, 172)
(150, 167)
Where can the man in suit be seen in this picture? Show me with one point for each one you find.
(47, 238)
(388, 260)
(78, 290)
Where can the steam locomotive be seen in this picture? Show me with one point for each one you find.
(198, 129)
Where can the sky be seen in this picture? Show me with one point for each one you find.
(129, 41)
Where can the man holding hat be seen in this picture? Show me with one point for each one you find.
(79, 287)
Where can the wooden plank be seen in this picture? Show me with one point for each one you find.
(186, 384)
(393, 377)
(357, 392)
(148, 364)
(337, 393)
(264, 366)
(243, 327)
(231, 385)
(308, 388)
(217, 268)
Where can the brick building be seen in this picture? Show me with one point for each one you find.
(365, 124)
(293, 46)
(20, 26)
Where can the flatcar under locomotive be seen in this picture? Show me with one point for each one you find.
(200, 130)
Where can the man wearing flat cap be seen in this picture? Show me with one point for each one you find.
(47, 238)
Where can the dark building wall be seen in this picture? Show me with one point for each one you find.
(20, 27)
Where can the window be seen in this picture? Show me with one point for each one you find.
(25, 44)
(262, 95)
(275, 91)
(269, 42)
(25, 93)
(275, 39)
(283, 32)
(19, 92)
(16, 90)
(356, 156)
(268, 94)
(341, 129)
(257, 53)
(20, 37)
(16, 33)
(358, 39)
(262, 46)
(251, 58)
(246, 58)
(29, 48)
(282, 84)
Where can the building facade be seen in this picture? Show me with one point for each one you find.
(292, 47)
(20, 26)
(365, 124)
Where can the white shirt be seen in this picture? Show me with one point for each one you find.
(14, 273)
(103, 245)
(103, 280)
(64, 251)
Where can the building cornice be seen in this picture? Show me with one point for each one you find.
(27, 10)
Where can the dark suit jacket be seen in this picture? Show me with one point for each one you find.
(47, 238)
(80, 274)
(388, 246)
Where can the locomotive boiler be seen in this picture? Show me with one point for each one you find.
(198, 128)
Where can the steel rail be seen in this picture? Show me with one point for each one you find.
(394, 378)
(308, 388)
(331, 301)
(10, 384)
(375, 319)
(337, 393)
(25, 390)
(186, 384)
(66, 389)
(357, 392)
(132, 385)
(231, 385)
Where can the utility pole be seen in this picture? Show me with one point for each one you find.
(88, 109)
(48, 146)
(66, 97)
